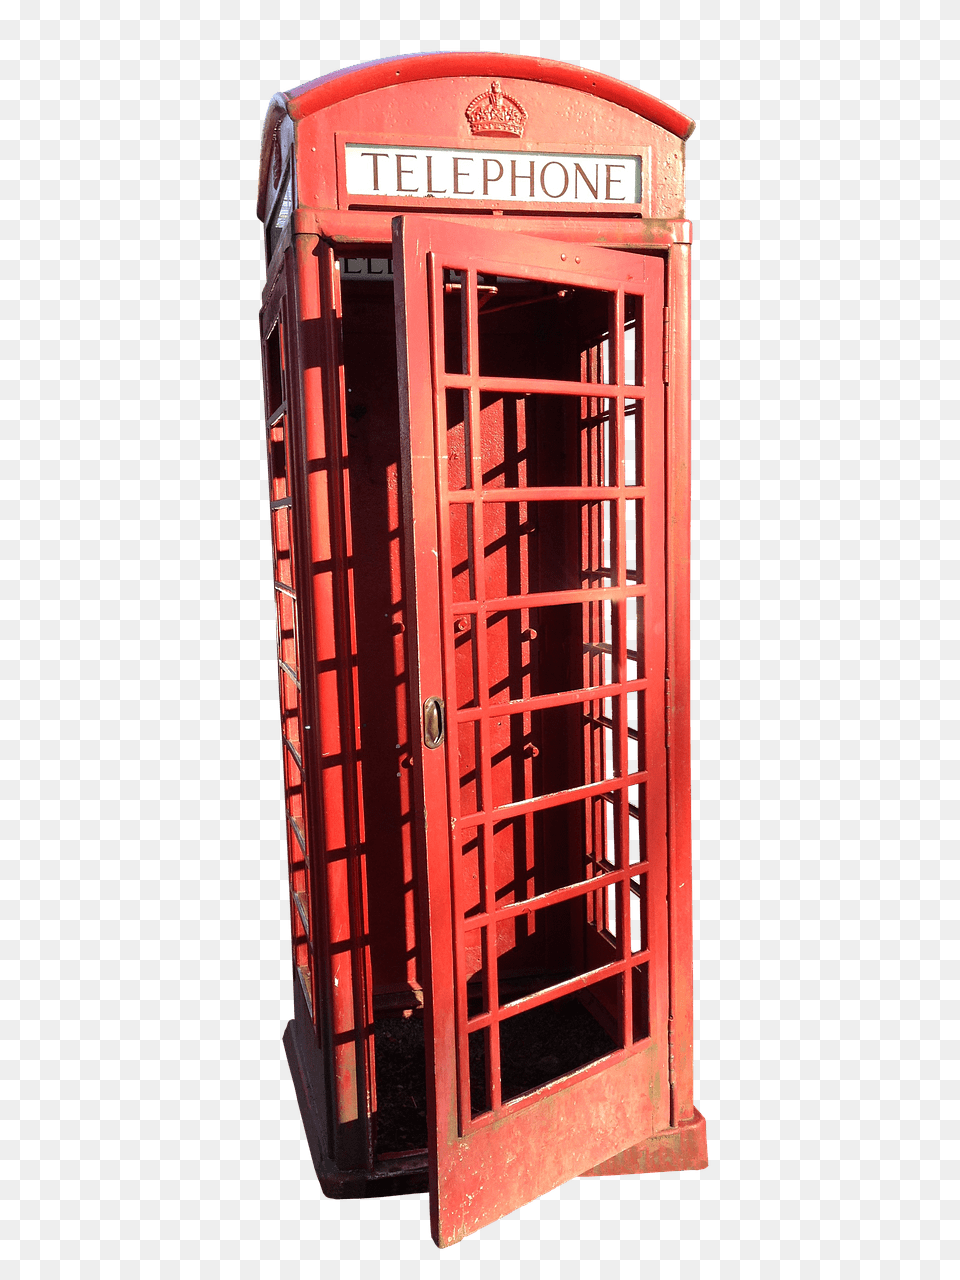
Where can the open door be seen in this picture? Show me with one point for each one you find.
(532, 418)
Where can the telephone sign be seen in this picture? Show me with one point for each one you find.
(498, 176)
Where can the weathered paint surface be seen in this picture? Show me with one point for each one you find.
(417, 874)
(593, 1112)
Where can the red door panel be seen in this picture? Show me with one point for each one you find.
(531, 397)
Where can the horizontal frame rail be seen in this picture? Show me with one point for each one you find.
(542, 386)
(552, 800)
(304, 975)
(544, 599)
(301, 839)
(605, 880)
(286, 668)
(301, 910)
(604, 646)
(568, 987)
(551, 493)
(547, 701)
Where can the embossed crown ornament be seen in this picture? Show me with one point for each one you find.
(495, 114)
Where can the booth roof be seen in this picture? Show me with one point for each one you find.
(350, 81)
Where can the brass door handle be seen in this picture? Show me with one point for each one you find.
(433, 723)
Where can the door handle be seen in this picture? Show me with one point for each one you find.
(433, 723)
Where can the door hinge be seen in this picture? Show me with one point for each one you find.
(666, 344)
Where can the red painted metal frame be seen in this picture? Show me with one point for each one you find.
(330, 1042)
(480, 1168)
(353, 227)
(281, 397)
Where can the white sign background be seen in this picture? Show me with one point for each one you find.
(443, 173)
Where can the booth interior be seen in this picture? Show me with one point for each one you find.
(542, 459)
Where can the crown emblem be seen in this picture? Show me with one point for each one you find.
(495, 114)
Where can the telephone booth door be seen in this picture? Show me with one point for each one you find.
(532, 440)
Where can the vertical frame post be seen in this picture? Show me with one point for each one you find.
(679, 888)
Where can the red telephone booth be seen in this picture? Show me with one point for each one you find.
(475, 339)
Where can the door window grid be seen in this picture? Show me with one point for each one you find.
(522, 691)
(609, 468)
(524, 413)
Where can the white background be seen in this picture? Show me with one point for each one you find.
(521, 177)
(148, 1121)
